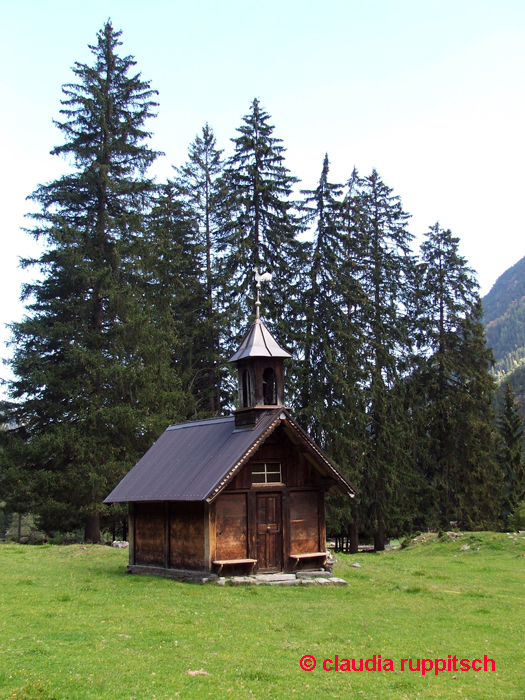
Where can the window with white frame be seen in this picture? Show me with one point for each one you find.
(266, 473)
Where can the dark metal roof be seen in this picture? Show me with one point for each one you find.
(188, 460)
(194, 461)
(258, 342)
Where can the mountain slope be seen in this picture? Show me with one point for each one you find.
(504, 318)
(508, 288)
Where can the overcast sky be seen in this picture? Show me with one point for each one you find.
(428, 92)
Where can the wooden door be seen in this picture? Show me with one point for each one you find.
(269, 532)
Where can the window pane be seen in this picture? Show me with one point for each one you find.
(266, 473)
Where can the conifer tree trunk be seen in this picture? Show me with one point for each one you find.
(379, 534)
(354, 538)
(92, 528)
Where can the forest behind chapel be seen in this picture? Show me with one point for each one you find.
(144, 288)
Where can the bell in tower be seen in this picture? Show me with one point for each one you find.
(260, 366)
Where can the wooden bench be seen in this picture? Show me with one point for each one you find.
(233, 562)
(308, 555)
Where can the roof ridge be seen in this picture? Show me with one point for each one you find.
(218, 419)
(264, 339)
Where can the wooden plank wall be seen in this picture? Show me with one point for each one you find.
(186, 522)
(231, 526)
(149, 534)
(131, 532)
(304, 522)
(169, 535)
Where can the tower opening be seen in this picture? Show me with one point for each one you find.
(269, 387)
(246, 389)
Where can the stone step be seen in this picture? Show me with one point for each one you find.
(275, 577)
(243, 581)
(287, 582)
(281, 581)
(314, 574)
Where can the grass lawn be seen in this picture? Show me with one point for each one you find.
(74, 625)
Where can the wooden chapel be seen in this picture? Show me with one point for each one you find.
(236, 494)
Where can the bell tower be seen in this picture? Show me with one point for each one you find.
(260, 367)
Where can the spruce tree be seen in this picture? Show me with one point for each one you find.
(93, 380)
(454, 409)
(322, 304)
(350, 440)
(262, 226)
(330, 373)
(510, 447)
(201, 185)
(329, 364)
(385, 273)
(177, 294)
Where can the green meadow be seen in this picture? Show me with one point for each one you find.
(74, 625)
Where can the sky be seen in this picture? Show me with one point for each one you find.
(431, 93)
